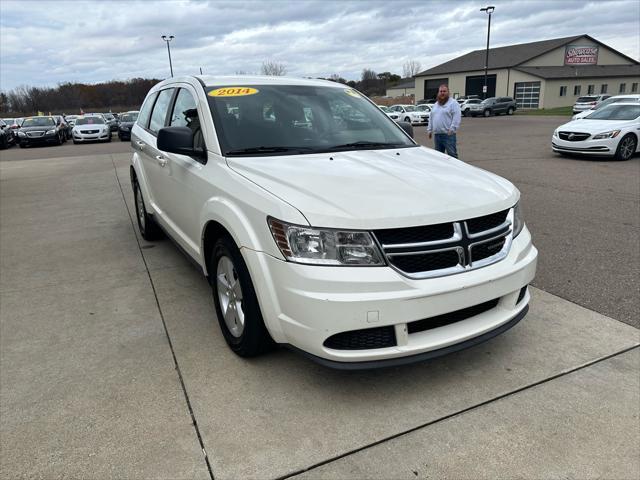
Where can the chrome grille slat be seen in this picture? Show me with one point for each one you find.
(434, 257)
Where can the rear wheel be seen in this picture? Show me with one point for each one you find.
(146, 224)
(236, 302)
(487, 113)
(626, 147)
(510, 111)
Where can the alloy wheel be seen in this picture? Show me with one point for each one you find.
(627, 146)
(230, 296)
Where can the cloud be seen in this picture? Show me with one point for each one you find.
(98, 41)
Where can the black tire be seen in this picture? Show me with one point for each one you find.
(74, 141)
(23, 145)
(147, 226)
(4, 143)
(626, 147)
(407, 119)
(487, 113)
(510, 111)
(253, 338)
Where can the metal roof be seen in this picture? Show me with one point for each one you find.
(506, 57)
(403, 83)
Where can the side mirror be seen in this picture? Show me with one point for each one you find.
(407, 127)
(178, 140)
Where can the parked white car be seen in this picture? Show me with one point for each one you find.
(323, 226)
(588, 102)
(609, 131)
(470, 104)
(608, 101)
(411, 114)
(392, 115)
(91, 128)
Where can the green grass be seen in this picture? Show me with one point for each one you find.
(564, 111)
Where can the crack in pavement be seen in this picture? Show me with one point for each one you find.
(166, 331)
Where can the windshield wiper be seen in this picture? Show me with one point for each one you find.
(250, 150)
(364, 144)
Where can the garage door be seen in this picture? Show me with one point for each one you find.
(527, 94)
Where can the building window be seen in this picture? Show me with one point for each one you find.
(603, 88)
(623, 87)
(576, 89)
(590, 89)
(634, 87)
(563, 91)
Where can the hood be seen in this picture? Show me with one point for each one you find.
(126, 124)
(371, 189)
(592, 126)
(37, 129)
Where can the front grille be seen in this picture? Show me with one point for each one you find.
(427, 262)
(446, 248)
(573, 136)
(35, 134)
(430, 233)
(88, 132)
(369, 338)
(480, 224)
(451, 317)
(485, 250)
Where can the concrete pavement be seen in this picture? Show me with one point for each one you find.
(89, 386)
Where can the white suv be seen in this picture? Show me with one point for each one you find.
(321, 225)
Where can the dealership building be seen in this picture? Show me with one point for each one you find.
(547, 74)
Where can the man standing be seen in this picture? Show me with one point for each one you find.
(444, 122)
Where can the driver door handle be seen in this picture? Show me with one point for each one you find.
(140, 144)
(161, 160)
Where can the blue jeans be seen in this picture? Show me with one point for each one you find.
(444, 141)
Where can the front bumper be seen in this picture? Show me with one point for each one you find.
(604, 147)
(50, 138)
(80, 137)
(124, 134)
(305, 305)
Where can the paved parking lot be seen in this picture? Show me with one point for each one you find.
(113, 366)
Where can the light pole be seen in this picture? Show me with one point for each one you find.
(168, 39)
(489, 10)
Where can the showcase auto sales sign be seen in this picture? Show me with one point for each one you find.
(580, 55)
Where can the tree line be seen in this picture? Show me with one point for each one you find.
(73, 97)
(120, 95)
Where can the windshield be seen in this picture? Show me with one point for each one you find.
(383, 108)
(409, 108)
(128, 117)
(9, 121)
(423, 108)
(38, 122)
(90, 121)
(611, 100)
(108, 116)
(586, 99)
(616, 112)
(295, 119)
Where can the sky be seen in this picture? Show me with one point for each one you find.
(45, 42)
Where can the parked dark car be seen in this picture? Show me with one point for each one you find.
(495, 106)
(64, 126)
(40, 130)
(7, 137)
(111, 121)
(126, 123)
(13, 123)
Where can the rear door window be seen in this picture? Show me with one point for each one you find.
(159, 114)
(145, 111)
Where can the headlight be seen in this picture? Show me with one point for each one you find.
(50, 132)
(22, 134)
(611, 134)
(316, 246)
(518, 220)
(555, 133)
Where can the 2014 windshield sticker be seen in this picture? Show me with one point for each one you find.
(233, 92)
(352, 92)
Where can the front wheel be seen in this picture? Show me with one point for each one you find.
(626, 147)
(236, 302)
(407, 119)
